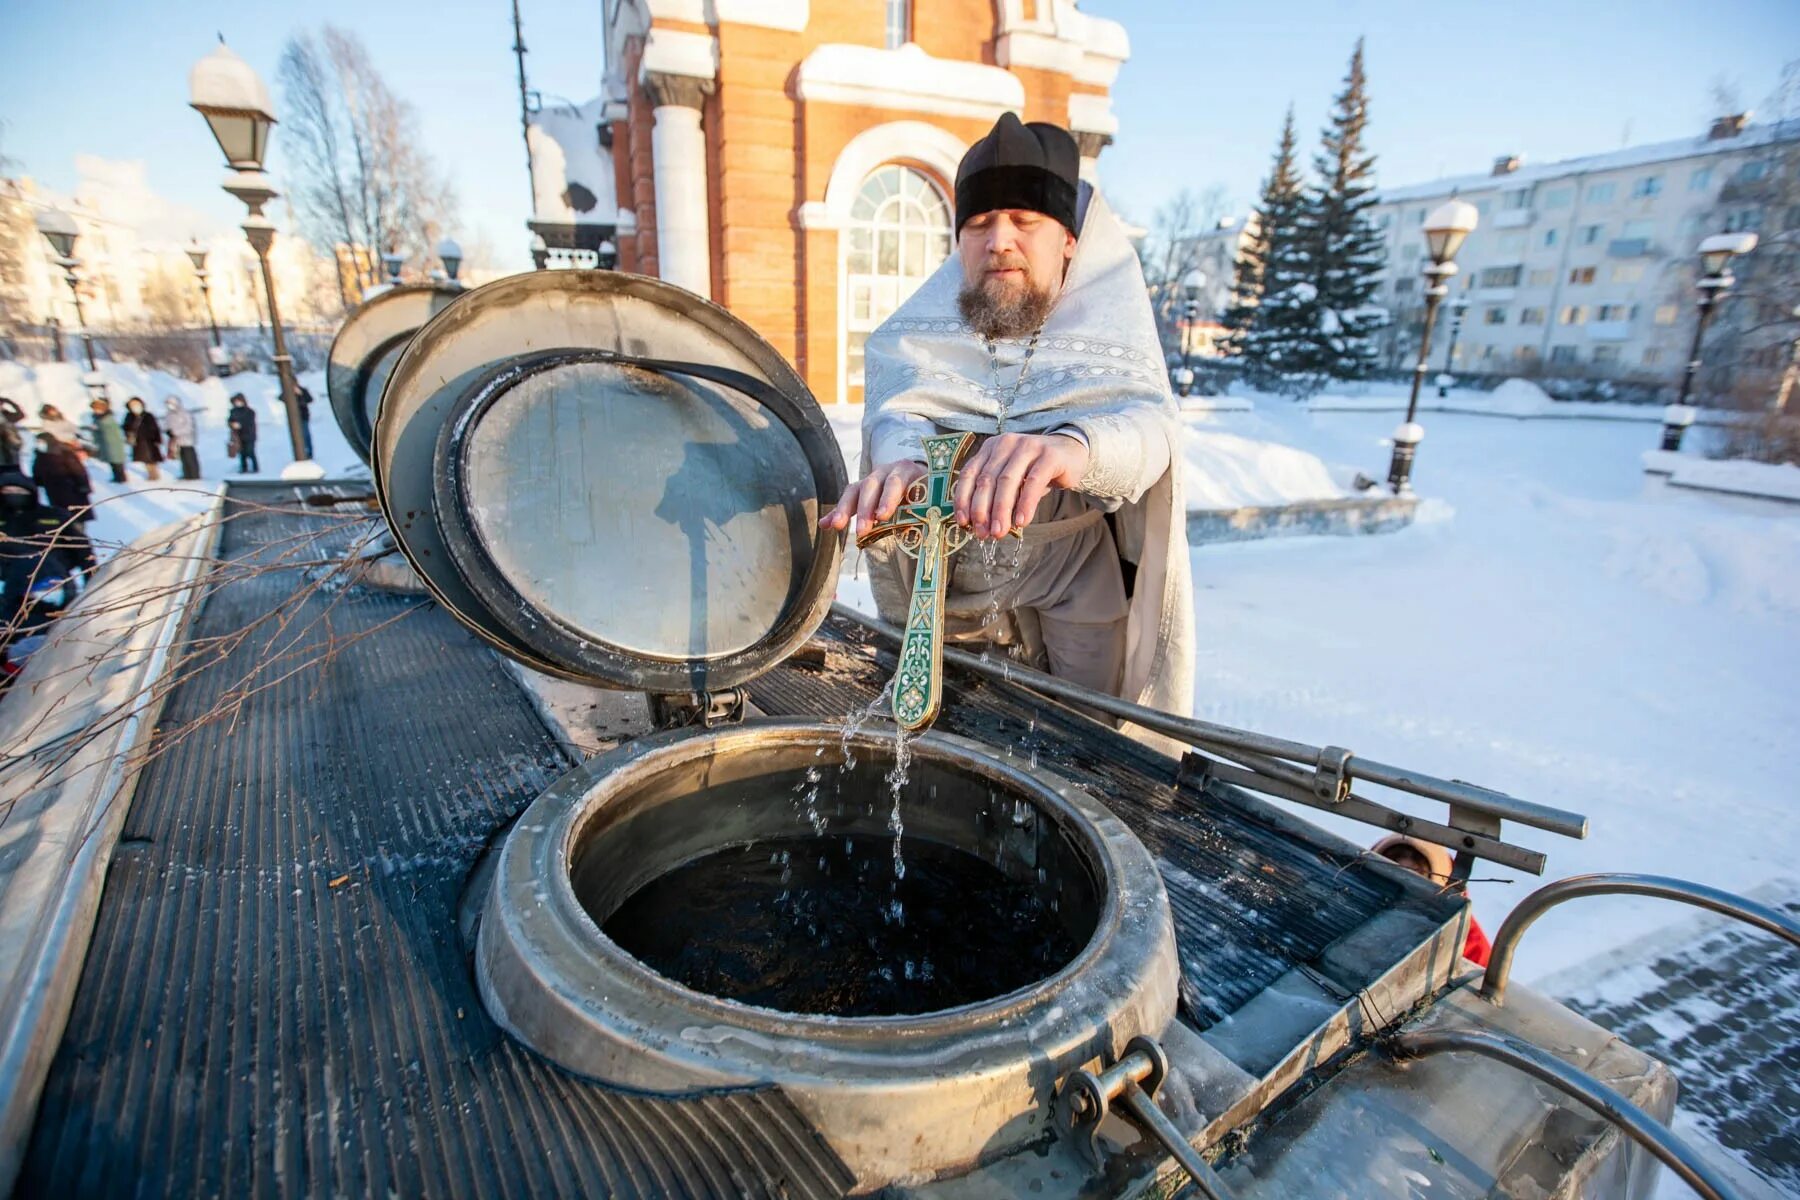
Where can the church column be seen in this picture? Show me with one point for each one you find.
(678, 156)
(1089, 143)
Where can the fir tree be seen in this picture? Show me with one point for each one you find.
(1347, 251)
(1269, 315)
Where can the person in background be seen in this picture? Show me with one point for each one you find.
(32, 549)
(303, 400)
(242, 423)
(179, 423)
(12, 436)
(109, 439)
(1433, 862)
(52, 422)
(143, 432)
(56, 468)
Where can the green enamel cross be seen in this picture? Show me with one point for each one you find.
(924, 528)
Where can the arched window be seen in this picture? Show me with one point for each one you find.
(899, 233)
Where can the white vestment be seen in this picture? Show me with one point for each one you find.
(1098, 366)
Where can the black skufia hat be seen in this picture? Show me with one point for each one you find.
(1017, 165)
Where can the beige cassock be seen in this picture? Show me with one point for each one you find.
(1097, 368)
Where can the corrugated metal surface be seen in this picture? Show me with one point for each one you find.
(244, 1027)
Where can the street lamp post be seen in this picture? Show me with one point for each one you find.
(609, 255)
(60, 230)
(1191, 285)
(229, 94)
(392, 260)
(1446, 228)
(451, 255)
(540, 252)
(1716, 253)
(216, 354)
(1458, 308)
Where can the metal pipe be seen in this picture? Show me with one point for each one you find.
(1506, 942)
(1144, 1111)
(1633, 1121)
(1222, 738)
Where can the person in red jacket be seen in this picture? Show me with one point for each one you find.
(1433, 862)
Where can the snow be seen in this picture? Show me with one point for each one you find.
(1574, 634)
(125, 511)
(1228, 470)
(1779, 481)
(1518, 398)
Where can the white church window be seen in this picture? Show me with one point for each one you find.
(899, 233)
(899, 23)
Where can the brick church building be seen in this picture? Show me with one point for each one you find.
(794, 161)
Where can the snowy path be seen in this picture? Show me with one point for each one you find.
(1574, 634)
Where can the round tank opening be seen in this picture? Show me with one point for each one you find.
(784, 879)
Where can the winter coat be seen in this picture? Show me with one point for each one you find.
(242, 422)
(109, 439)
(180, 424)
(144, 433)
(29, 535)
(59, 471)
(62, 429)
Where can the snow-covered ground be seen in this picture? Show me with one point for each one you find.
(1568, 630)
(1771, 481)
(124, 511)
(1519, 398)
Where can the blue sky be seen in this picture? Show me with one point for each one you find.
(1200, 101)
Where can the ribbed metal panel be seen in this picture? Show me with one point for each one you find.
(245, 1028)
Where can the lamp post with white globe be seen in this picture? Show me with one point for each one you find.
(215, 353)
(230, 95)
(1716, 253)
(60, 230)
(1191, 286)
(451, 255)
(1458, 308)
(1446, 228)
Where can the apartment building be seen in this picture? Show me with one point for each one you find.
(1585, 266)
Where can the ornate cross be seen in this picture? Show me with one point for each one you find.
(924, 529)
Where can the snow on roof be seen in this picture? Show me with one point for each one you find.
(1753, 137)
(571, 171)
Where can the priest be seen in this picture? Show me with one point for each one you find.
(1037, 335)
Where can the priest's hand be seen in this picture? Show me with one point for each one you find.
(875, 497)
(1000, 486)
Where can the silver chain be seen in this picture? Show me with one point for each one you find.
(1005, 400)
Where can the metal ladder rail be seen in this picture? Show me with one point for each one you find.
(1506, 942)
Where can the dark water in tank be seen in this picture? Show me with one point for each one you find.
(820, 925)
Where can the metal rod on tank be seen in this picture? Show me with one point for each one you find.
(1506, 941)
(1633, 1121)
(1223, 738)
(1154, 1122)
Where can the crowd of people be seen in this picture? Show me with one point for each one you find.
(46, 493)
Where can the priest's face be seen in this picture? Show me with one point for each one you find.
(1013, 261)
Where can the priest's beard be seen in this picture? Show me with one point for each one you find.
(1013, 312)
